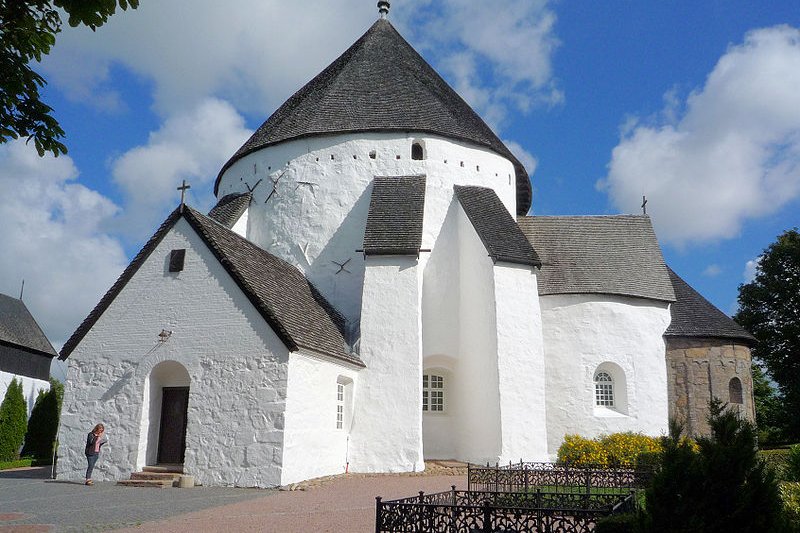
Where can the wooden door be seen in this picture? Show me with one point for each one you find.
(172, 435)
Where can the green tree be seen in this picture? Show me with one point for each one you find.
(770, 416)
(28, 30)
(13, 421)
(43, 426)
(721, 487)
(769, 307)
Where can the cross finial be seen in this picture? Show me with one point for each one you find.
(184, 186)
(383, 8)
(644, 204)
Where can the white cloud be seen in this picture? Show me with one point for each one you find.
(189, 146)
(498, 54)
(53, 238)
(750, 269)
(525, 157)
(712, 271)
(730, 154)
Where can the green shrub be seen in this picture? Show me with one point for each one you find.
(722, 486)
(793, 464)
(778, 460)
(13, 421)
(790, 495)
(19, 463)
(42, 427)
(617, 449)
(618, 523)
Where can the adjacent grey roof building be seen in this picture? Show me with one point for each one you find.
(495, 226)
(599, 255)
(380, 84)
(294, 309)
(394, 220)
(694, 316)
(24, 348)
(230, 208)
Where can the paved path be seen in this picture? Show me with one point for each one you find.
(31, 504)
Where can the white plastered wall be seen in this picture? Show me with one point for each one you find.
(30, 387)
(386, 433)
(318, 214)
(583, 332)
(313, 445)
(237, 365)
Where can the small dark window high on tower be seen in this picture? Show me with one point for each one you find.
(735, 390)
(417, 152)
(176, 258)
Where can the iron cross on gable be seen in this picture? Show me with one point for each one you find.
(644, 204)
(183, 188)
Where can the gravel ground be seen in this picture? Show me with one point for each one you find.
(31, 503)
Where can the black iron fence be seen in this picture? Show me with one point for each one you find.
(483, 512)
(523, 477)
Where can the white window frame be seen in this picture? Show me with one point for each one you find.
(433, 393)
(340, 394)
(604, 389)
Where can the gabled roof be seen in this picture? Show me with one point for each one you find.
(230, 208)
(394, 220)
(599, 255)
(19, 329)
(495, 226)
(694, 316)
(294, 309)
(380, 84)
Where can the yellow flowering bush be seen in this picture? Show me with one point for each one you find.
(616, 449)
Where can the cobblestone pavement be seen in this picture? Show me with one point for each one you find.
(30, 503)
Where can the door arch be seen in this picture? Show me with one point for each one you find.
(165, 413)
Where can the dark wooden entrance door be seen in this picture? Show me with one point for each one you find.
(172, 435)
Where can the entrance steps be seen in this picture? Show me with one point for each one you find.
(155, 476)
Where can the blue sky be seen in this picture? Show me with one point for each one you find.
(695, 104)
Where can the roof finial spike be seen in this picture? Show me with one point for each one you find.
(383, 8)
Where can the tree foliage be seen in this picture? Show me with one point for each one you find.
(13, 421)
(28, 30)
(43, 424)
(769, 307)
(722, 487)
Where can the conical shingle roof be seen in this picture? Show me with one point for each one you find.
(380, 84)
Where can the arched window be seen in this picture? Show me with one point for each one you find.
(417, 153)
(603, 390)
(432, 393)
(735, 390)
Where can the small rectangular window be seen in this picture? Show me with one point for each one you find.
(176, 258)
(432, 393)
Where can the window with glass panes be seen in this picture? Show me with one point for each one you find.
(603, 390)
(432, 393)
(339, 405)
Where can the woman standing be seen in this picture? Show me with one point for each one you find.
(94, 440)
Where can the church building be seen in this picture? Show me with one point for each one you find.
(369, 292)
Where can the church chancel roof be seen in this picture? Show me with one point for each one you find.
(380, 84)
(394, 220)
(616, 254)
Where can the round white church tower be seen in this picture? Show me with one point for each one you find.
(379, 110)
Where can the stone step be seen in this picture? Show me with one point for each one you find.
(158, 483)
(172, 469)
(164, 476)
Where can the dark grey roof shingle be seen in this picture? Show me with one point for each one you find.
(380, 84)
(495, 226)
(18, 327)
(287, 301)
(394, 220)
(230, 208)
(599, 255)
(694, 316)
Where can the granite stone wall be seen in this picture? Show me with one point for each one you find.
(699, 369)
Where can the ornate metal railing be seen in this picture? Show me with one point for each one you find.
(480, 511)
(524, 477)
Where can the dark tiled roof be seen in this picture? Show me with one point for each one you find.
(599, 255)
(495, 226)
(394, 221)
(694, 316)
(286, 300)
(19, 329)
(380, 84)
(230, 207)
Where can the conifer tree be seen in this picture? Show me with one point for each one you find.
(42, 427)
(13, 421)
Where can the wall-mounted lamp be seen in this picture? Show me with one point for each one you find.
(164, 335)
